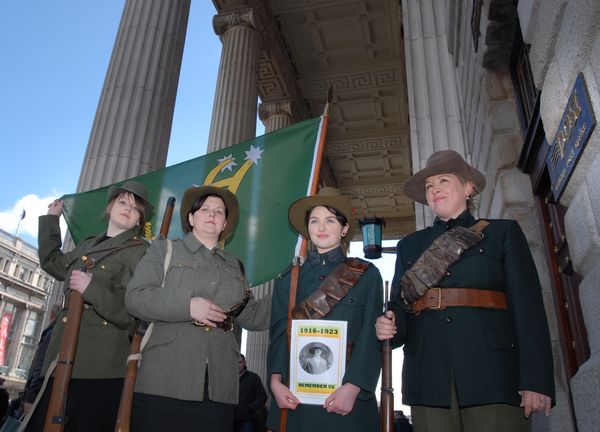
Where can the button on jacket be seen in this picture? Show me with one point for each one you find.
(360, 308)
(490, 353)
(178, 352)
(103, 344)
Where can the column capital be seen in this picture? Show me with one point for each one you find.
(241, 17)
(269, 109)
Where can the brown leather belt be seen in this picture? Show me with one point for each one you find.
(441, 298)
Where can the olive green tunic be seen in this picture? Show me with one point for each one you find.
(490, 353)
(103, 343)
(360, 308)
(178, 352)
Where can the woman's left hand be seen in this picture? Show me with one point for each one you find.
(534, 402)
(79, 281)
(342, 400)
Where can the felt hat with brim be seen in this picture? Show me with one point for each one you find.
(327, 196)
(192, 194)
(442, 162)
(135, 188)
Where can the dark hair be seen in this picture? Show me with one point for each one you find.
(199, 202)
(140, 206)
(338, 215)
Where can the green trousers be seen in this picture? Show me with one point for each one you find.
(484, 418)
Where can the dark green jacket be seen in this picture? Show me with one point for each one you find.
(360, 308)
(103, 343)
(491, 353)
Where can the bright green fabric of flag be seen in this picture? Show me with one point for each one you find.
(267, 174)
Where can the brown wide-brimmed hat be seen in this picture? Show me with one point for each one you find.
(193, 193)
(327, 196)
(442, 162)
(135, 188)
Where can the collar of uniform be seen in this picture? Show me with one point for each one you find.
(193, 244)
(464, 219)
(332, 256)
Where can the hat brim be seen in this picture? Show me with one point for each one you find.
(298, 209)
(414, 186)
(192, 194)
(114, 191)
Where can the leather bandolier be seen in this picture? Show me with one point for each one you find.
(432, 265)
(333, 289)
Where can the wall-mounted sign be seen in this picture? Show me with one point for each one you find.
(573, 133)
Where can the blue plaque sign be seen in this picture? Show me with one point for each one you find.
(573, 133)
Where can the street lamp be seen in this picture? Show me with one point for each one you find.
(371, 228)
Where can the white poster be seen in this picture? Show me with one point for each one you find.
(317, 359)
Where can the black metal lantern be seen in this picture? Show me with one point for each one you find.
(372, 228)
(371, 234)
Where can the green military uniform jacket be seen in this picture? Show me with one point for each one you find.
(360, 308)
(490, 353)
(103, 344)
(178, 352)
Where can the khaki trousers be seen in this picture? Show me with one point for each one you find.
(484, 418)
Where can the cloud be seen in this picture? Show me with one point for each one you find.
(34, 206)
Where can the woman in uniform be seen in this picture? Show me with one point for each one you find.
(99, 268)
(192, 291)
(467, 306)
(325, 219)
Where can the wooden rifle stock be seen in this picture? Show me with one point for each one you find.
(55, 416)
(387, 391)
(123, 423)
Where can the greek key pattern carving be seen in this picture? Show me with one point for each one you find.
(362, 81)
(358, 145)
(370, 190)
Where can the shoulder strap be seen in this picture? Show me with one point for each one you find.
(165, 269)
(431, 267)
(333, 289)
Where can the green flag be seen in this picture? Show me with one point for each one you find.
(266, 174)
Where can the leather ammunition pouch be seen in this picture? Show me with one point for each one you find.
(333, 289)
(433, 264)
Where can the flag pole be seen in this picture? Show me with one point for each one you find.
(304, 243)
(19, 224)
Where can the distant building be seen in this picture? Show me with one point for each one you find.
(24, 289)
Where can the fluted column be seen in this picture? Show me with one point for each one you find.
(435, 120)
(132, 126)
(274, 115)
(131, 130)
(234, 110)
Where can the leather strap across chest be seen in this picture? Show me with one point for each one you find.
(333, 289)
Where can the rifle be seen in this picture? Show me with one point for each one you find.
(387, 392)
(123, 423)
(55, 417)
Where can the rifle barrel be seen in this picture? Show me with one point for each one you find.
(387, 391)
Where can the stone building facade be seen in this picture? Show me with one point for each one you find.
(24, 288)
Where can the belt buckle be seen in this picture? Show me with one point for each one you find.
(439, 301)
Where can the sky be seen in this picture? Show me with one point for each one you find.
(55, 55)
(54, 60)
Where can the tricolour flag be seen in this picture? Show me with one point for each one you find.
(266, 174)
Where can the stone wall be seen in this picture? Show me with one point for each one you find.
(565, 40)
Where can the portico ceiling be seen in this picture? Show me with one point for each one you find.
(355, 47)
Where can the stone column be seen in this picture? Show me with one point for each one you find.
(131, 130)
(435, 120)
(234, 110)
(274, 115)
(132, 126)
